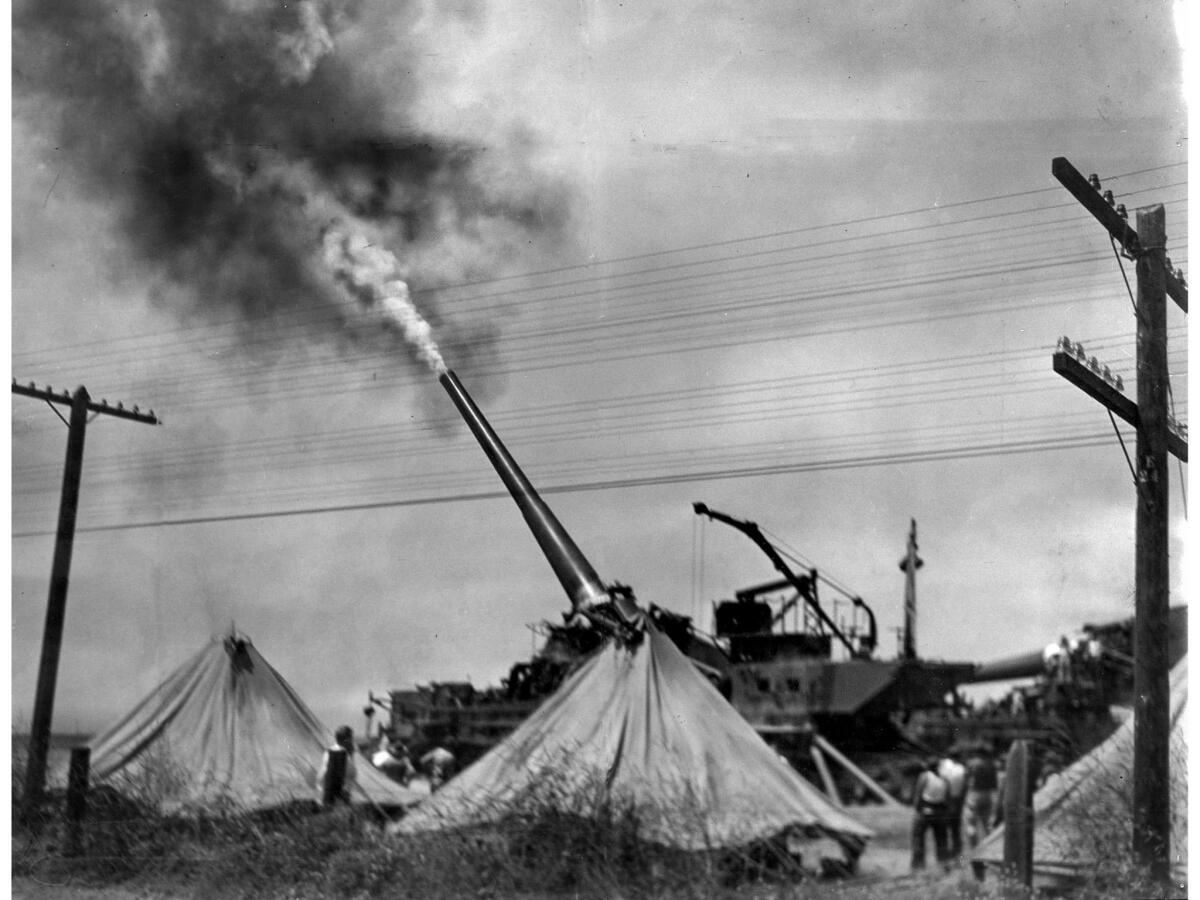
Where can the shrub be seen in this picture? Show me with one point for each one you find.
(565, 837)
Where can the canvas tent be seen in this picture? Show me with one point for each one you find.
(1083, 815)
(639, 728)
(225, 726)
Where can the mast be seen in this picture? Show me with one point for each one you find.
(909, 566)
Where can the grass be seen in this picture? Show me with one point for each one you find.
(303, 852)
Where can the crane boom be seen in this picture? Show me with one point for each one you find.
(803, 585)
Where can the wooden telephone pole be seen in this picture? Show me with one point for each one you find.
(56, 605)
(1151, 686)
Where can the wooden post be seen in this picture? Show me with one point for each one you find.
(871, 784)
(335, 776)
(1151, 689)
(826, 777)
(56, 612)
(1018, 814)
(77, 791)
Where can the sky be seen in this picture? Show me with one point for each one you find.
(807, 266)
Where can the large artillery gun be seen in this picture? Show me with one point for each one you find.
(783, 682)
(612, 609)
(884, 714)
(470, 721)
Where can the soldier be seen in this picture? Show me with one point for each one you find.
(930, 795)
(343, 740)
(955, 775)
(982, 786)
(1093, 651)
(391, 758)
(438, 765)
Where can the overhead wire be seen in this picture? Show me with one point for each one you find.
(331, 362)
(450, 469)
(523, 422)
(528, 292)
(763, 317)
(361, 447)
(940, 455)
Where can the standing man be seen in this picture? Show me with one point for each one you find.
(983, 782)
(438, 765)
(1093, 652)
(343, 739)
(392, 759)
(929, 814)
(1050, 660)
(955, 774)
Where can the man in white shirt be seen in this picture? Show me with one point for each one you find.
(929, 814)
(438, 765)
(392, 759)
(955, 774)
(1050, 659)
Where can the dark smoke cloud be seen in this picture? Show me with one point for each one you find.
(230, 136)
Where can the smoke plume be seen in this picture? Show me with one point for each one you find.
(260, 156)
(374, 274)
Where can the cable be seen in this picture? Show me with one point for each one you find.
(1124, 277)
(323, 307)
(941, 455)
(340, 442)
(1128, 461)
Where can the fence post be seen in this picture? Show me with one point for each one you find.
(335, 776)
(77, 791)
(1018, 814)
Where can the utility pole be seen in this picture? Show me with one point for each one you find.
(56, 605)
(1151, 676)
(1155, 281)
(909, 565)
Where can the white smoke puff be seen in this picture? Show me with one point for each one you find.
(300, 51)
(149, 37)
(374, 274)
(398, 306)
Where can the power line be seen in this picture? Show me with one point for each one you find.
(323, 307)
(596, 412)
(714, 475)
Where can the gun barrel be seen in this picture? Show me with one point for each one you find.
(1022, 665)
(575, 573)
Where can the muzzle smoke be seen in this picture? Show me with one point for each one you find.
(372, 274)
(260, 156)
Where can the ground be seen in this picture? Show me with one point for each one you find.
(889, 853)
(883, 871)
(27, 889)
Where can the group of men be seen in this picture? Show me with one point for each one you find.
(392, 758)
(1067, 657)
(946, 792)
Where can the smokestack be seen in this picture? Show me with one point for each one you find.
(909, 566)
(578, 578)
